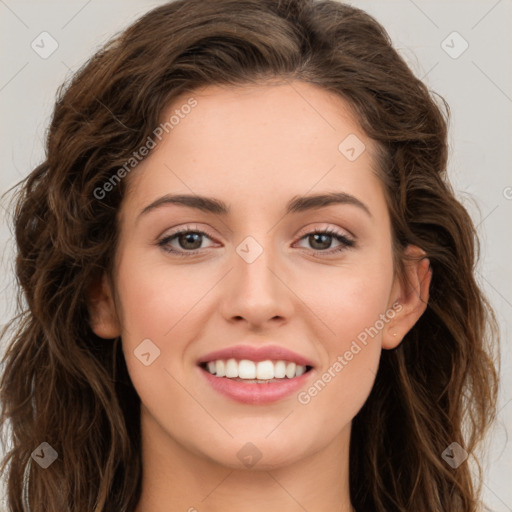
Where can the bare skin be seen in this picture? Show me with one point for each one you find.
(255, 148)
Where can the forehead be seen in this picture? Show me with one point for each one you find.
(263, 144)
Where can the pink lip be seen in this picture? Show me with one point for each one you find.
(252, 392)
(260, 353)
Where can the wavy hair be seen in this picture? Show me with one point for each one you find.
(63, 385)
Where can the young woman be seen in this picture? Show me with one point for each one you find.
(248, 284)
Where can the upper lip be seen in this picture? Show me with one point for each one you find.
(259, 353)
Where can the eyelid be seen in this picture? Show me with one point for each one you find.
(185, 229)
(301, 234)
(326, 227)
(348, 239)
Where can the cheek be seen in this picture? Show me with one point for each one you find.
(156, 309)
(352, 354)
(354, 308)
(164, 304)
(352, 300)
(156, 299)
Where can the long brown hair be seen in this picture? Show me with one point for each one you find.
(64, 386)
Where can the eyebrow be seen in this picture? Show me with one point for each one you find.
(296, 204)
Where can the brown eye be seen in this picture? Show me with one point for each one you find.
(321, 240)
(190, 240)
(185, 242)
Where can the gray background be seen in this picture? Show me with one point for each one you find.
(476, 84)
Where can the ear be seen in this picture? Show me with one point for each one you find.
(102, 312)
(409, 296)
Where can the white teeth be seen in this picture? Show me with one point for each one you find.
(265, 370)
(290, 370)
(220, 368)
(280, 370)
(246, 369)
(250, 370)
(231, 368)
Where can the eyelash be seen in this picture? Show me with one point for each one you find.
(345, 242)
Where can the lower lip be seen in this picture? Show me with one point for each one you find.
(254, 393)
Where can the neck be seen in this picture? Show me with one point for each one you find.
(177, 480)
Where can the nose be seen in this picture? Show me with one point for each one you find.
(257, 291)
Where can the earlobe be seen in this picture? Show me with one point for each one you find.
(104, 321)
(411, 293)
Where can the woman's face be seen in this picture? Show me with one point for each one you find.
(258, 278)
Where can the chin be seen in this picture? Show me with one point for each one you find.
(257, 453)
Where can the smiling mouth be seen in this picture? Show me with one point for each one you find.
(261, 372)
